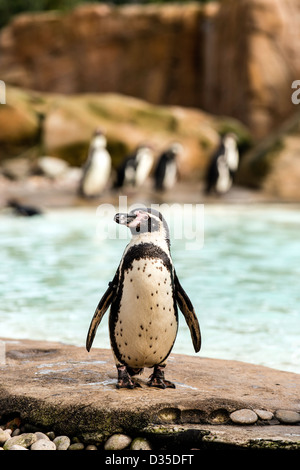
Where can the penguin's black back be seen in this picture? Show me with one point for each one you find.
(212, 171)
(160, 170)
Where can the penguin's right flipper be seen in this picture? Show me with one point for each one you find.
(187, 309)
(103, 305)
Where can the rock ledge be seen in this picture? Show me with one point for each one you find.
(215, 402)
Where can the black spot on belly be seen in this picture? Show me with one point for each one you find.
(141, 327)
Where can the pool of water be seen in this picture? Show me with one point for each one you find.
(240, 268)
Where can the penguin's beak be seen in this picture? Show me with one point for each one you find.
(131, 220)
(124, 219)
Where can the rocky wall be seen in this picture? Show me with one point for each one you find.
(234, 58)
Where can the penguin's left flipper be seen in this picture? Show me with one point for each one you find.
(103, 305)
(187, 309)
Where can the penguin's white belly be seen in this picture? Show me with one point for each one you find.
(143, 170)
(146, 327)
(129, 176)
(97, 175)
(224, 181)
(170, 177)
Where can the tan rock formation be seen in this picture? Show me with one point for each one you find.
(145, 51)
(254, 61)
(274, 165)
(234, 58)
(69, 121)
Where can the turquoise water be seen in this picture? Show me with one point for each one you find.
(241, 270)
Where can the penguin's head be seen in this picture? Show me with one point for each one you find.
(175, 150)
(99, 139)
(144, 221)
(230, 137)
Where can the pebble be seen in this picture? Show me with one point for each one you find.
(243, 416)
(264, 414)
(117, 442)
(287, 416)
(4, 435)
(43, 444)
(62, 442)
(41, 435)
(140, 443)
(17, 447)
(76, 446)
(24, 440)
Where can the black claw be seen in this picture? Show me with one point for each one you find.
(125, 380)
(157, 379)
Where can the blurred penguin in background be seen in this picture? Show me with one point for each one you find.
(223, 166)
(135, 169)
(22, 209)
(166, 171)
(97, 169)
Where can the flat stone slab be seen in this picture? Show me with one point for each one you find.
(74, 392)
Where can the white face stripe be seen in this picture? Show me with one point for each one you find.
(157, 237)
(140, 217)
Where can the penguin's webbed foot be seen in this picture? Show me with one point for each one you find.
(125, 380)
(157, 379)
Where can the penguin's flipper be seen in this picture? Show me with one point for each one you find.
(187, 309)
(103, 305)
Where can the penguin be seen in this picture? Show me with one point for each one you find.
(166, 172)
(223, 166)
(24, 210)
(232, 154)
(143, 298)
(135, 169)
(97, 168)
